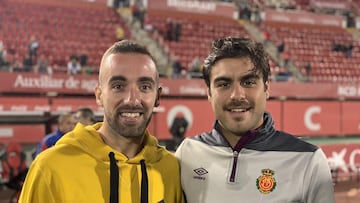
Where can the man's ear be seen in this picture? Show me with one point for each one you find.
(98, 96)
(157, 101)
(208, 93)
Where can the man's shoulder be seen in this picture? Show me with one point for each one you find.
(57, 152)
(282, 141)
(167, 153)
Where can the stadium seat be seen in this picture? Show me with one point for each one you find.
(13, 165)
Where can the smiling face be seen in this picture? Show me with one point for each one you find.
(238, 95)
(128, 91)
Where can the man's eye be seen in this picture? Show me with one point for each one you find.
(118, 86)
(223, 84)
(249, 82)
(146, 87)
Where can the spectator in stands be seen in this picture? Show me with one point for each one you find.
(350, 19)
(169, 27)
(346, 49)
(308, 70)
(244, 12)
(65, 123)
(85, 116)
(116, 160)
(43, 65)
(285, 55)
(120, 3)
(336, 46)
(349, 50)
(86, 69)
(142, 14)
(1, 46)
(195, 70)
(2, 54)
(17, 65)
(280, 48)
(176, 67)
(33, 49)
(184, 74)
(138, 12)
(339, 47)
(283, 75)
(256, 15)
(28, 63)
(244, 157)
(195, 64)
(172, 30)
(5, 64)
(135, 11)
(73, 66)
(83, 58)
(176, 31)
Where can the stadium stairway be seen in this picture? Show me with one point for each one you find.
(271, 49)
(142, 36)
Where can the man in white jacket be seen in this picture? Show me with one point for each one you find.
(244, 158)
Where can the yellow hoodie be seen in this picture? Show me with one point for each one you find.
(77, 169)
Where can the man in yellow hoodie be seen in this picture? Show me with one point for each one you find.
(116, 160)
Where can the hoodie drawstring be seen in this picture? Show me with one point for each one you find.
(144, 183)
(114, 179)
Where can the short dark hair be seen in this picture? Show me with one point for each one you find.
(128, 46)
(62, 117)
(86, 112)
(231, 47)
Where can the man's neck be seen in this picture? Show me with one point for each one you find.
(130, 147)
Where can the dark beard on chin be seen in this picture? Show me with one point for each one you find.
(128, 131)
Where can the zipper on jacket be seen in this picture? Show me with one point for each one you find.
(234, 166)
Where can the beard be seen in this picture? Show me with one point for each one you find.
(127, 131)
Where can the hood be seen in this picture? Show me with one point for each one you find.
(89, 140)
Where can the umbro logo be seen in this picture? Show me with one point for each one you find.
(199, 173)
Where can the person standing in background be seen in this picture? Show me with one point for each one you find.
(65, 123)
(244, 158)
(73, 66)
(85, 116)
(33, 48)
(178, 128)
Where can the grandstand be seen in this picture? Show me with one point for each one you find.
(315, 44)
(62, 29)
(322, 107)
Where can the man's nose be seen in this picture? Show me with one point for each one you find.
(133, 96)
(238, 92)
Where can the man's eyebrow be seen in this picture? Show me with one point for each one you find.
(117, 78)
(222, 78)
(146, 79)
(251, 74)
(122, 78)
